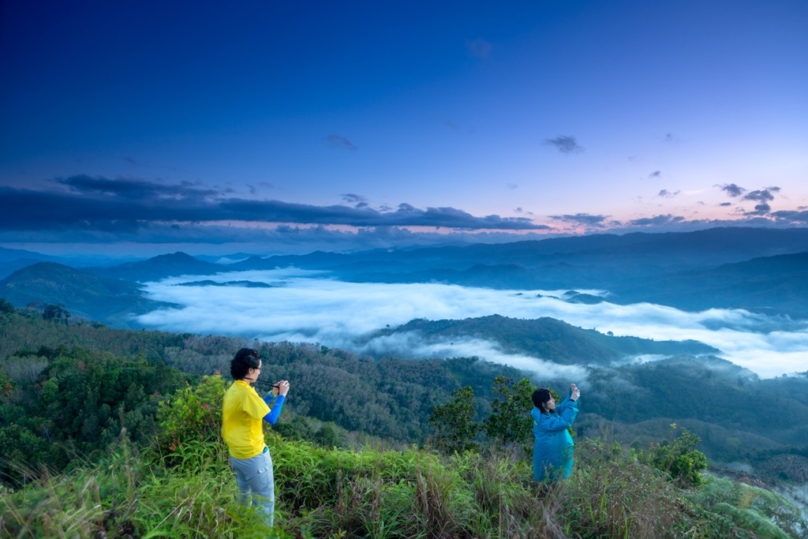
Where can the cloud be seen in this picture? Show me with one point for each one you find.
(344, 315)
(761, 195)
(657, 220)
(726, 204)
(760, 209)
(791, 216)
(581, 219)
(340, 143)
(564, 144)
(667, 194)
(479, 48)
(357, 200)
(130, 160)
(732, 190)
(100, 204)
(511, 186)
(655, 174)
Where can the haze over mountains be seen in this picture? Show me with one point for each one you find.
(369, 301)
(723, 267)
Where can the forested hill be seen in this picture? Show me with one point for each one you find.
(112, 301)
(549, 339)
(390, 398)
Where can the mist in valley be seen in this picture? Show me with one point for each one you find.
(308, 306)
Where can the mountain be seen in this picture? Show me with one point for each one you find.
(674, 250)
(12, 260)
(549, 339)
(159, 267)
(767, 283)
(748, 268)
(83, 294)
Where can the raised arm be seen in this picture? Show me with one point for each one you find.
(572, 397)
(282, 388)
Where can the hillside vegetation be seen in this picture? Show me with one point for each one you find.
(179, 485)
(390, 398)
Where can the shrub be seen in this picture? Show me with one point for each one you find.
(679, 458)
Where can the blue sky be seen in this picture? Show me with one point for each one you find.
(270, 127)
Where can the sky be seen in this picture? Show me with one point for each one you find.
(147, 127)
(307, 306)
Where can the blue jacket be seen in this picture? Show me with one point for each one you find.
(553, 445)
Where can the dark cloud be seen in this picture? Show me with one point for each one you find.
(479, 48)
(657, 220)
(136, 189)
(726, 204)
(732, 190)
(655, 174)
(761, 195)
(581, 219)
(564, 144)
(668, 194)
(760, 209)
(340, 143)
(101, 204)
(791, 216)
(357, 200)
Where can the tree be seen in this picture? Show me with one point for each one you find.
(56, 313)
(455, 429)
(510, 423)
(6, 307)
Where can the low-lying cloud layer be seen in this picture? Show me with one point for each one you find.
(305, 306)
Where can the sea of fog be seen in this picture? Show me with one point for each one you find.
(308, 306)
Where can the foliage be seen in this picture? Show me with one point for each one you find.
(510, 423)
(679, 458)
(455, 428)
(56, 313)
(191, 416)
(6, 307)
(372, 493)
(747, 507)
(394, 494)
(77, 406)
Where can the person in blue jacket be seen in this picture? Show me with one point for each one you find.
(553, 445)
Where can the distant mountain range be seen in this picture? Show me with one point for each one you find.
(157, 268)
(751, 268)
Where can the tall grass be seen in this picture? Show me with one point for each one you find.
(181, 486)
(387, 494)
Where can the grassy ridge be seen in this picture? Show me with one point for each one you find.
(187, 490)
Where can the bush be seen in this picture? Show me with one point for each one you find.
(679, 458)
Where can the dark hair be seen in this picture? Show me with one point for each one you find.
(540, 397)
(244, 360)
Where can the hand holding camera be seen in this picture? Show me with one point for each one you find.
(281, 388)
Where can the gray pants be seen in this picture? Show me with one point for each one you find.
(255, 475)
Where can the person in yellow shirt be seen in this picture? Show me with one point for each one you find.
(243, 413)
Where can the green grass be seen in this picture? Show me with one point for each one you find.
(181, 486)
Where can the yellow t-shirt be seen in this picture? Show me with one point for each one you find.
(242, 414)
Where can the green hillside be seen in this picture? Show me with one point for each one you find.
(549, 339)
(84, 294)
(91, 404)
